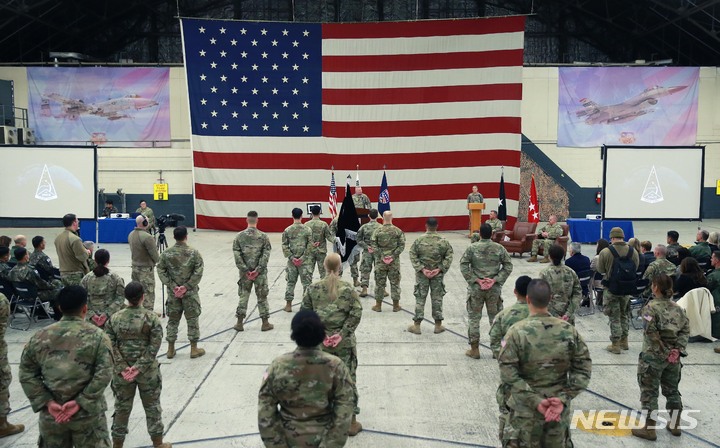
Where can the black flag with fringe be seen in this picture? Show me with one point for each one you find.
(348, 226)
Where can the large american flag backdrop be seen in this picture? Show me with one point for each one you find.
(273, 106)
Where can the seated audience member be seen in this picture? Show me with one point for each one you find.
(23, 272)
(20, 241)
(635, 243)
(673, 246)
(701, 250)
(5, 241)
(713, 278)
(578, 262)
(647, 252)
(109, 209)
(40, 261)
(691, 277)
(713, 241)
(4, 266)
(682, 254)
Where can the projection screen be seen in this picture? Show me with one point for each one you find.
(653, 183)
(48, 181)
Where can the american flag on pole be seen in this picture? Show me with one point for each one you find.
(332, 199)
(273, 104)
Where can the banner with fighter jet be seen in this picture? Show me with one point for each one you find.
(107, 106)
(634, 106)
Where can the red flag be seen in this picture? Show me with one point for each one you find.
(533, 206)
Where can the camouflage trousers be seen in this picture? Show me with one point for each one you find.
(366, 266)
(477, 299)
(616, 308)
(383, 273)
(149, 384)
(146, 276)
(436, 287)
(653, 376)
(304, 271)
(261, 291)
(71, 278)
(558, 307)
(86, 432)
(349, 357)
(354, 271)
(501, 396)
(190, 305)
(541, 242)
(317, 257)
(523, 430)
(5, 379)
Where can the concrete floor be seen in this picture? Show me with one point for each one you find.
(415, 391)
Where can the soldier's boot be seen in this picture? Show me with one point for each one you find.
(171, 350)
(355, 427)
(674, 422)
(356, 282)
(196, 352)
(288, 307)
(239, 325)
(158, 442)
(532, 259)
(8, 429)
(363, 293)
(717, 349)
(474, 351)
(385, 293)
(645, 432)
(378, 306)
(118, 443)
(414, 328)
(545, 260)
(438, 327)
(624, 343)
(266, 325)
(396, 306)
(614, 348)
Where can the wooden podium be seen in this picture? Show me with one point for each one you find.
(362, 214)
(476, 209)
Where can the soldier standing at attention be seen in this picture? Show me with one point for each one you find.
(64, 370)
(106, 290)
(296, 244)
(544, 364)
(387, 243)
(364, 240)
(181, 269)
(360, 199)
(485, 265)
(251, 249)
(431, 256)
(338, 306)
(564, 286)
(546, 237)
(72, 255)
(148, 213)
(307, 396)
(666, 337)
(6, 428)
(144, 254)
(136, 334)
(320, 234)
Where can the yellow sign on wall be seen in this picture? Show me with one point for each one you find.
(717, 188)
(160, 192)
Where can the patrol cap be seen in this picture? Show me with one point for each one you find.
(617, 232)
(297, 213)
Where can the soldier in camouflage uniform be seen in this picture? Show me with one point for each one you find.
(360, 199)
(6, 429)
(72, 255)
(106, 291)
(251, 249)
(665, 339)
(474, 198)
(544, 364)
(320, 235)
(23, 272)
(494, 222)
(546, 238)
(364, 240)
(485, 265)
(144, 254)
(313, 389)
(136, 334)
(564, 284)
(387, 243)
(661, 265)
(4, 266)
(431, 256)
(64, 371)
(296, 244)
(40, 261)
(148, 213)
(340, 310)
(181, 269)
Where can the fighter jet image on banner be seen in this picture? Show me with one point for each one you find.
(628, 110)
(112, 109)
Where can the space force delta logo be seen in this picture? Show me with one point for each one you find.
(631, 419)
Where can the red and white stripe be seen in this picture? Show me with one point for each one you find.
(435, 102)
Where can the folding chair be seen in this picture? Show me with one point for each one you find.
(596, 291)
(27, 302)
(584, 277)
(637, 302)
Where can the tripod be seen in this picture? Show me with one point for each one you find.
(161, 246)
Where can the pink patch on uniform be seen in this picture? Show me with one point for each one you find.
(647, 317)
(502, 343)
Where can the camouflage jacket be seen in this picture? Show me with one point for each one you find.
(565, 287)
(554, 230)
(106, 294)
(23, 272)
(495, 224)
(68, 360)
(388, 240)
(143, 248)
(503, 321)
(659, 266)
(341, 315)
(5, 271)
(251, 249)
(181, 265)
(543, 357)
(72, 255)
(316, 399)
(364, 235)
(606, 259)
(320, 234)
(43, 264)
(361, 201)
(135, 334)
(475, 197)
(4, 317)
(486, 259)
(713, 280)
(431, 251)
(296, 240)
(666, 327)
(672, 250)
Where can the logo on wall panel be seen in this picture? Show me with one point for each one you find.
(46, 188)
(652, 193)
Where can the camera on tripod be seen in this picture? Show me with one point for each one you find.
(165, 221)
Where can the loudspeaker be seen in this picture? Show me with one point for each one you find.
(28, 136)
(9, 135)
